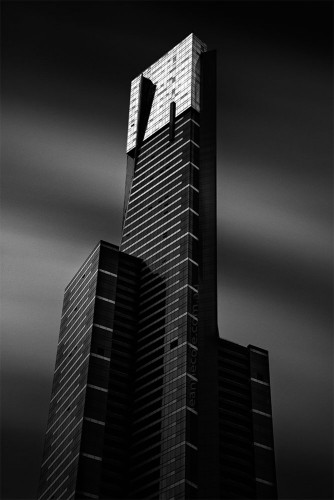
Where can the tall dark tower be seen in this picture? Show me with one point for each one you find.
(147, 401)
(170, 223)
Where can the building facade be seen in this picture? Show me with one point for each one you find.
(139, 356)
(247, 461)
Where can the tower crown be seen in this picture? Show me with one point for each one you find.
(176, 77)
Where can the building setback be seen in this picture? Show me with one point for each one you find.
(147, 400)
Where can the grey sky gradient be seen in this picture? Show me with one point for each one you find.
(67, 69)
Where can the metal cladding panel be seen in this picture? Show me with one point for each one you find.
(176, 76)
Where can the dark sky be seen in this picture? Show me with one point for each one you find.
(66, 71)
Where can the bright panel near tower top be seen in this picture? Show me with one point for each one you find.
(176, 76)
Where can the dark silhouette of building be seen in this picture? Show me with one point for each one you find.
(147, 401)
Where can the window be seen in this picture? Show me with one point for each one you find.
(173, 344)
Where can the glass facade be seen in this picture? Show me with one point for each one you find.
(147, 401)
(161, 228)
(176, 76)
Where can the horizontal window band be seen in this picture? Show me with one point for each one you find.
(69, 328)
(178, 318)
(66, 359)
(82, 268)
(128, 225)
(158, 284)
(137, 195)
(67, 389)
(143, 154)
(158, 134)
(72, 394)
(162, 156)
(182, 292)
(153, 183)
(97, 388)
(259, 381)
(261, 413)
(68, 377)
(54, 451)
(263, 481)
(153, 271)
(94, 355)
(151, 391)
(83, 335)
(94, 421)
(178, 125)
(159, 310)
(84, 493)
(265, 447)
(103, 327)
(165, 223)
(93, 457)
(61, 484)
(53, 423)
(126, 248)
(74, 324)
(153, 195)
(80, 292)
(143, 176)
(63, 430)
(180, 121)
(265, 354)
(70, 361)
(160, 420)
(105, 299)
(168, 238)
(165, 296)
(107, 272)
(171, 243)
(60, 464)
(163, 263)
(154, 217)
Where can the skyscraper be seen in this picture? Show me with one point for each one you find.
(139, 356)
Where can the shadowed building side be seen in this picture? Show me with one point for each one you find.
(87, 437)
(247, 461)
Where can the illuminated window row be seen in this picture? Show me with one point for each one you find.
(75, 298)
(172, 242)
(152, 193)
(168, 220)
(163, 136)
(145, 220)
(172, 191)
(73, 283)
(146, 183)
